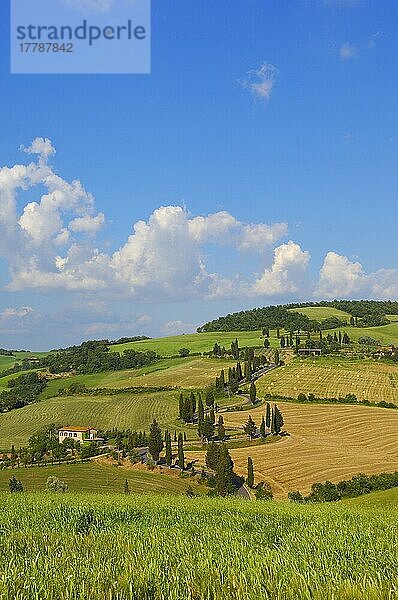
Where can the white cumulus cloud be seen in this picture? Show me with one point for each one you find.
(341, 278)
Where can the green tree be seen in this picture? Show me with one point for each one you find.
(250, 428)
(212, 415)
(295, 497)
(15, 485)
(126, 488)
(278, 420)
(201, 417)
(169, 454)
(263, 491)
(220, 428)
(250, 472)
(262, 428)
(266, 343)
(209, 397)
(181, 457)
(224, 473)
(208, 428)
(253, 393)
(212, 455)
(155, 445)
(184, 352)
(277, 357)
(268, 415)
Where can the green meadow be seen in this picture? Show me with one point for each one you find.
(320, 313)
(97, 477)
(195, 342)
(103, 547)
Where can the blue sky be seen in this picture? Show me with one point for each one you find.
(256, 112)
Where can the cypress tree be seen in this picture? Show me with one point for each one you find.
(126, 487)
(155, 445)
(193, 403)
(239, 373)
(208, 428)
(220, 428)
(185, 436)
(253, 393)
(213, 455)
(262, 428)
(181, 457)
(212, 416)
(201, 416)
(209, 397)
(169, 454)
(175, 435)
(222, 380)
(268, 415)
(224, 473)
(250, 472)
(278, 418)
(277, 358)
(272, 421)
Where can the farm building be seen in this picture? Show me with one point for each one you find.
(78, 434)
(310, 351)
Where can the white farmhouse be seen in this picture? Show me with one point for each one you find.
(78, 434)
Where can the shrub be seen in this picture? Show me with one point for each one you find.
(53, 484)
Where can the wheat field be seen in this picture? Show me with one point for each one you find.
(333, 377)
(326, 442)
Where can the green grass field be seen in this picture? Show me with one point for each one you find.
(102, 478)
(135, 411)
(195, 342)
(320, 313)
(383, 498)
(329, 377)
(6, 362)
(74, 546)
(385, 334)
(195, 372)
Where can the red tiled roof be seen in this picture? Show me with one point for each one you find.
(82, 429)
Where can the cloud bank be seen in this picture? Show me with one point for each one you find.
(50, 244)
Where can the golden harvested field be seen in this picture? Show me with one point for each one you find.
(333, 377)
(326, 442)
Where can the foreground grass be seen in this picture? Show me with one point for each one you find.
(102, 478)
(156, 548)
